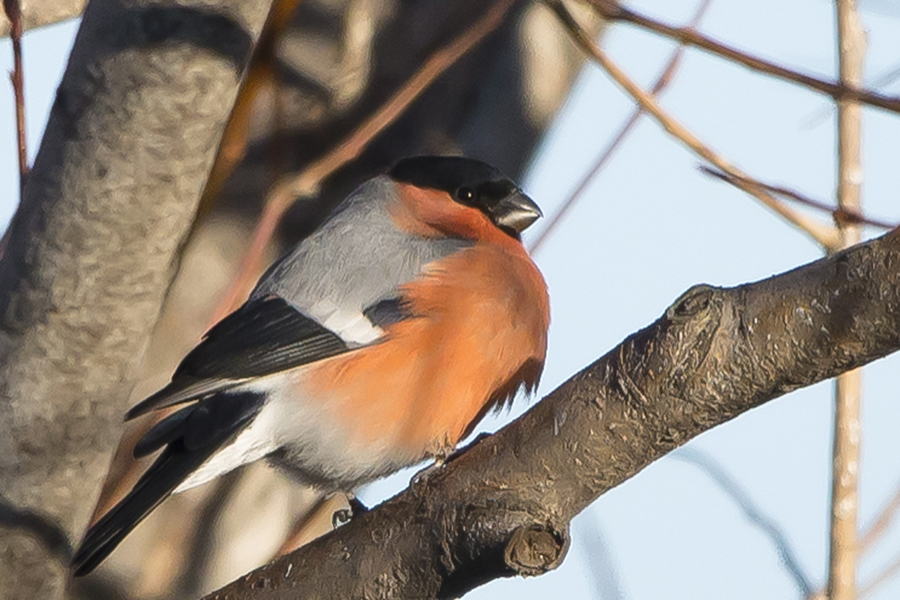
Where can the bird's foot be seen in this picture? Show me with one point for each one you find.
(422, 476)
(419, 480)
(441, 460)
(343, 515)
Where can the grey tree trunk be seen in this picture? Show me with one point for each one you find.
(91, 253)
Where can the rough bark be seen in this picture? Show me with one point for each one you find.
(114, 190)
(503, 506)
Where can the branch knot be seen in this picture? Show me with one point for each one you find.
(535, 549)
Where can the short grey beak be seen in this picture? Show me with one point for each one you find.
(517, 212)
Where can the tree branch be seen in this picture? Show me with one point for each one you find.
(822, 234)
(876, 530)
(502, 507)
(661, 83)
(13, 11)
(851, 40)
(754, 513)
(617, 13)
(837, 213)
(885, 575)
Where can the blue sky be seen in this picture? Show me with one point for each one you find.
(649, 227)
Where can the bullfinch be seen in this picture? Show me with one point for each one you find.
(380, 340)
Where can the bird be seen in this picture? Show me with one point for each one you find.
(379, 341)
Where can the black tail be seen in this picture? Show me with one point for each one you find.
(171, 468)
(193, 435)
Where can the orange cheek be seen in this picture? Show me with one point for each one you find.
(426, 211)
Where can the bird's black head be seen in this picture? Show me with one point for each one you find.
(471, 183)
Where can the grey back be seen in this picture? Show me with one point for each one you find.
(356, 258)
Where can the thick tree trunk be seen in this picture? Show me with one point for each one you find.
(91, 253)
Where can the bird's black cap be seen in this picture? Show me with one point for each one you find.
(473, 183)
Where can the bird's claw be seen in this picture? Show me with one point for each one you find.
(422, 477)
(340, 517)
(344, 515)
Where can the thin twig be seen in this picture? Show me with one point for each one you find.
(867, 542)
(17, 78)
(40, 527)
(819, 116)
(309, 525)
(840, 215)
(616, 12)
(876, 582)
(752, 511)
(306, 183)
(603, 573)
(881, 524)
(260, 75)
(664, 79)
(851, 52)
(821, 233)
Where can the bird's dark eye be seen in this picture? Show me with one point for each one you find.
(466, 195)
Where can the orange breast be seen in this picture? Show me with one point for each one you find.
(479, 332)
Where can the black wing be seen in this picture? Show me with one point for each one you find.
(191, 436)
(388, 311)
(264, 336)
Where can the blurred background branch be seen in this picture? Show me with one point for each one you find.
(12, 9)
(662, 82)
(823, 234)
(840, 215)
(613, 11)
(754, 513)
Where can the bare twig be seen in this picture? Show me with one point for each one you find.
(847, 391)
(616, 12)
(309, 525)
(603, 573)
(888, 77)
(819, 116)
(307, 182)
(821, 233)
(839, 214)
(881, 524)
(664, 79)
(754, 513)
(40, 526)
(260, 76)
(883, 577)
(867, 542)
(14, 13)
